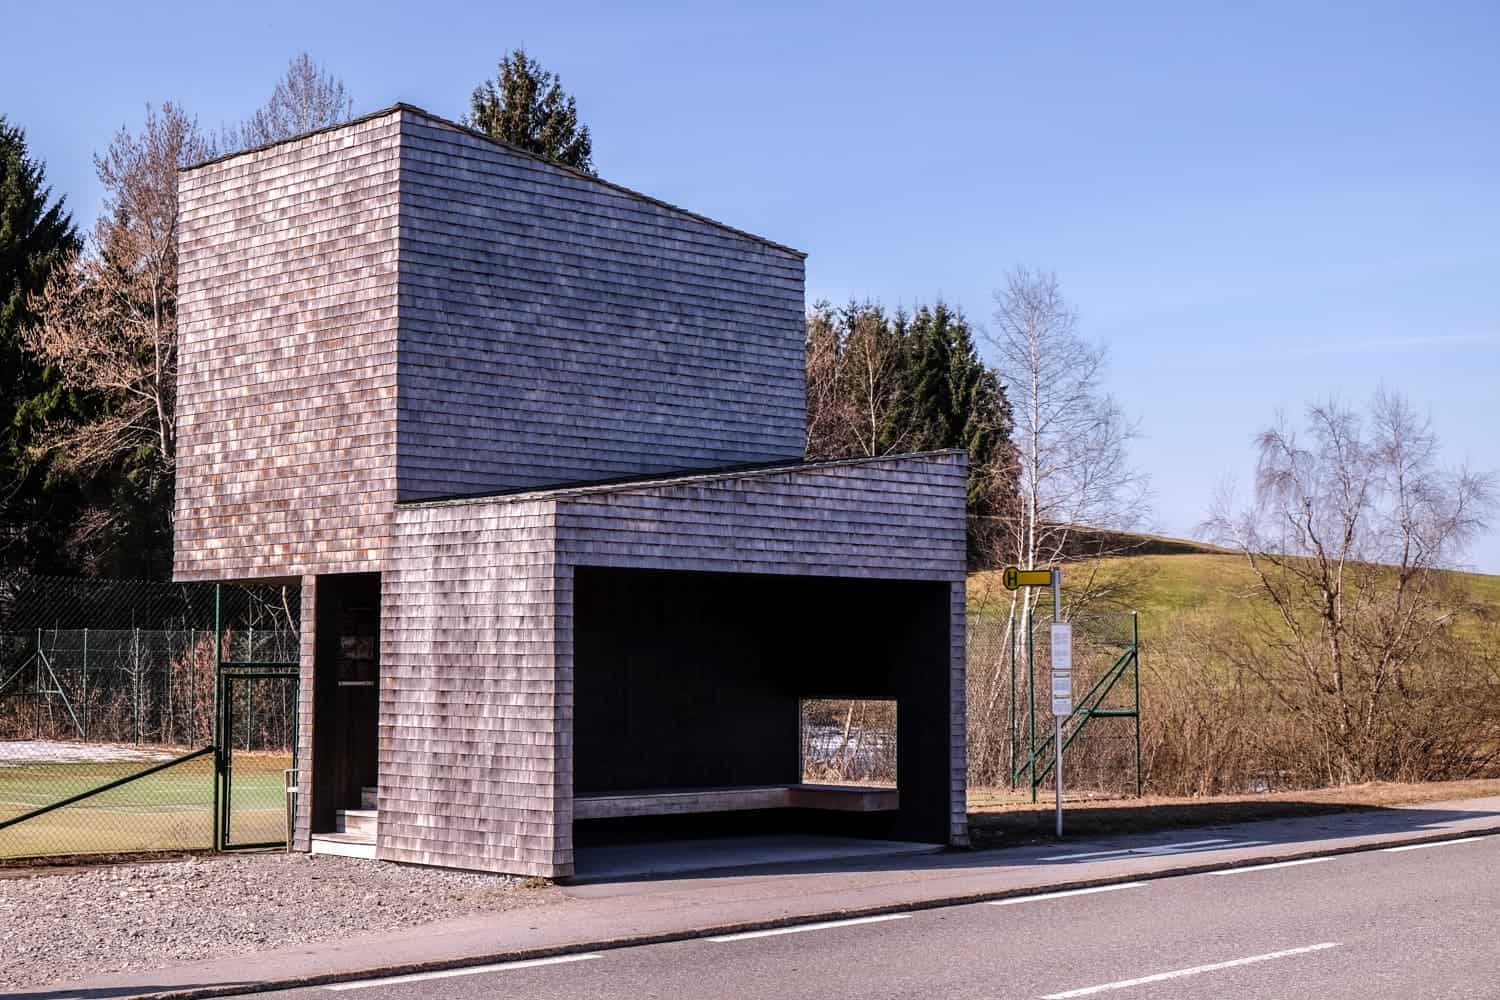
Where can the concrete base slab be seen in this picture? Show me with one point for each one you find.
(346, 845)
(679, 857)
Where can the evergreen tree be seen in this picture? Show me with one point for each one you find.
(879, 384)
(36, 237)
(957, 401)
(108, 323)
(526, 106)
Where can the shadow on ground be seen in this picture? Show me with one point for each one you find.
(1014, 827)
(1023, 838)
(106, 992)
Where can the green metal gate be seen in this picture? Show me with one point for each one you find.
(256, 735)
(257, 747)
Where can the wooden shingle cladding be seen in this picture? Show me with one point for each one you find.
(555, 329)
(474, 767)
(286, 404)
(958, 719)
(400, 307)
(399, 310)
(477, 637)
(306, 689)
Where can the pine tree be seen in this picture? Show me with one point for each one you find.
(36, 237)
(881, 384)
(957, 401)
(108, 323)
(526, 106)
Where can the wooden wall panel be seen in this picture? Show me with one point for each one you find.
(958, 699)
(900, 517)
(473, 738)
(555, 329)
(306, 714)
(477, 701)
(286, 388)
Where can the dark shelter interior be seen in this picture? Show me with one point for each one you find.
(347, 696)
(695, 680)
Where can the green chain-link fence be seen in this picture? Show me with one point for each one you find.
(113, 688)
(165, 806)
(1010, 723)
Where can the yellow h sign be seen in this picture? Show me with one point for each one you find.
(1016, 578)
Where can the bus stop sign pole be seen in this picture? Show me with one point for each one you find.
(1057, 719)
(1062, 664)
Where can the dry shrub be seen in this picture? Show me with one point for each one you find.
(1212, 725)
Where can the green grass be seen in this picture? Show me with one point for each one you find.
(1170, 590)
(169, 810)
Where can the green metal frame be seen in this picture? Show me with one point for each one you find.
(226, 673)
(1041, 759)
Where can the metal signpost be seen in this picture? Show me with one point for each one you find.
(1062, 661)
(1062, 683)
(1016, 578)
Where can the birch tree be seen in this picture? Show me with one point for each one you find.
(1074, 490)
(1352, 521)
(1074, 479)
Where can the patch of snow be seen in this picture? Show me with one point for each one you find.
(14, 753)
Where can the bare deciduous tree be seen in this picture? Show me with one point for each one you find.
(1351, 523)
(108, 322)
(826, 401)
(1075, 491)
(1071, 436)
(858, 384)
(306, 99)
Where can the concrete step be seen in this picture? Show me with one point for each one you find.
(360, 821)
(368, 797)
(346, 845)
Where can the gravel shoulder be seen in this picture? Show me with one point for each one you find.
(65, 927)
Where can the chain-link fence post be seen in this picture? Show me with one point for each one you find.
(83, 733)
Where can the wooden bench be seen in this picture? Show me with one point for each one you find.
(676, 802)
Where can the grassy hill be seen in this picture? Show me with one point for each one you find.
(1192, 583)
(1211, 725)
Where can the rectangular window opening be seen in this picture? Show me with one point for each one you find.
(849, 741)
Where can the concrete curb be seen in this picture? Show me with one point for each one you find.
(667, 937)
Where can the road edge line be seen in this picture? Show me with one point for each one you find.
(694, 934)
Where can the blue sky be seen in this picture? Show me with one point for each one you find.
(1254, 208)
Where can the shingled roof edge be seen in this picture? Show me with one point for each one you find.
(667, 479)
(401, 106)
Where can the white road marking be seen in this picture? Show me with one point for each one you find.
(1194, 971)
(1065, 892)
(474, 970)
(1268, 867)
(825, 925)
(1436, 843)
(1157, 850)
(1127, 850)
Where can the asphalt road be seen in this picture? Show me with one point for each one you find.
(1400, 923)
